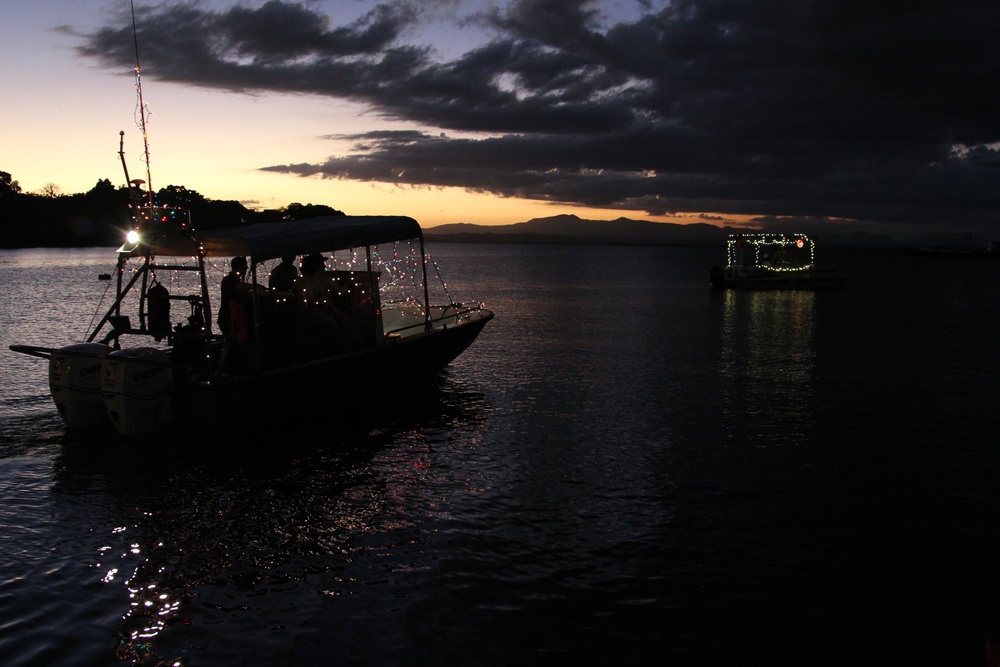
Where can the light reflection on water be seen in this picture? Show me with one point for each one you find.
(257, 543)
(767, 365)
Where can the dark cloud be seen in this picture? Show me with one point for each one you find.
(863, 110)
(279, 46)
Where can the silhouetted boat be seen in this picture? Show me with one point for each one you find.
(362, 332)
(766, 261)
(141, 370)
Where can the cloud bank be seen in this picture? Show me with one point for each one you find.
(867, 111)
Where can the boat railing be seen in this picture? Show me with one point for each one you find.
(452, 313)
(786, 266)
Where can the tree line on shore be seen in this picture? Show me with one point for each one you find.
(101, 216)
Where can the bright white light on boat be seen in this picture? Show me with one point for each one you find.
(132, 237)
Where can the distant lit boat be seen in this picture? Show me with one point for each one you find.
(764, 261)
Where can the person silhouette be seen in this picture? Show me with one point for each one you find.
(232, 318)
(283, 276)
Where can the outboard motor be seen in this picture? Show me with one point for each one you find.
(137, 386)
(75, 383)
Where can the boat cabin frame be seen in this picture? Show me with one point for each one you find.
(771, 251)
(164, 244)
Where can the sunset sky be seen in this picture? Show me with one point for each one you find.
(882, 116)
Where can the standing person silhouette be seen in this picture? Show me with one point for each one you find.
(232, 314)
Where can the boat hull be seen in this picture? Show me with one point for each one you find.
(751, 278)
(141, 391)
(325, 388)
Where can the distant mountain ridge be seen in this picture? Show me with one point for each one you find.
(625, 231)
(573, 229)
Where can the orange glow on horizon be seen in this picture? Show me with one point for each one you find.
(431, 206)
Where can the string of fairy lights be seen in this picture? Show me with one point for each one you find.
(398, 266)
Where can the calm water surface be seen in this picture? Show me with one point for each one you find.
(625, 467)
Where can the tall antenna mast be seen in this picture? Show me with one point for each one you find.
(142, 106)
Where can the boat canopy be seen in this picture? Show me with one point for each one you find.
(268, 240)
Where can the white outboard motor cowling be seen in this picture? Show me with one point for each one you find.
(137, 386)
(75, 384)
